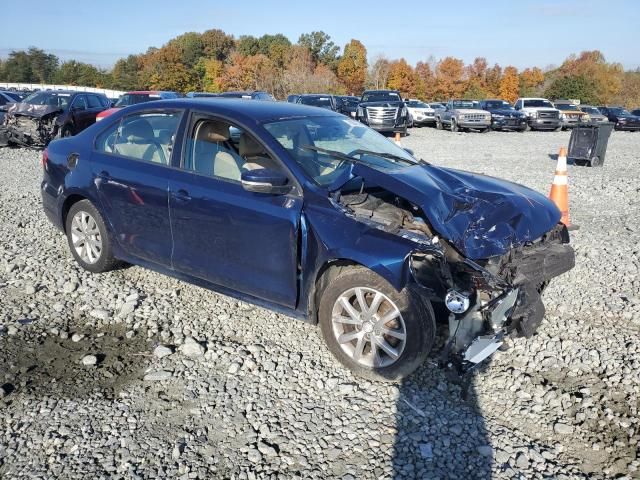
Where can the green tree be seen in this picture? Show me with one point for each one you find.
(78, 73)
(190, 46)
(352, 67)
(322, 49)
(247, 45)
(573, 86)
(125, 73)
(32, 66)
(217, 44)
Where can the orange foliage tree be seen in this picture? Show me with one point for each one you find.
(402, 78)
(352, 67)
(449, 78)
(510, 85)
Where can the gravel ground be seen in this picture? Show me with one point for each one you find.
(132, 374)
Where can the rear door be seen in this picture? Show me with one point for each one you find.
(80, 113)
(95, 106)
(131, 166)
(237, 239)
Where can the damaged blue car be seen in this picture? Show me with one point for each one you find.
(312, 214)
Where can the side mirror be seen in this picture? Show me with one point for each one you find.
(264, 180)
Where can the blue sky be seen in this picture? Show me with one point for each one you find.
(517, 32)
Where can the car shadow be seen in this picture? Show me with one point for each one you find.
(441, 432)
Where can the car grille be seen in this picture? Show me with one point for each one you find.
(382, 114)
(473, 117)
(547, 114)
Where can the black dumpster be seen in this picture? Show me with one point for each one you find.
(588, 143)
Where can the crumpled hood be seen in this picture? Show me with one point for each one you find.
(481, 216)
(36, 111)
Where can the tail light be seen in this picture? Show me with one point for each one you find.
(45, 158)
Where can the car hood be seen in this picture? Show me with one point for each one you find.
(481, 216)
(469, 110)
(29, 110)
(421, 109)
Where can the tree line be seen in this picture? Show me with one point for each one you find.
(215, 61)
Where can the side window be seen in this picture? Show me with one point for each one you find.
(79, 103)
(94, 101)
(146, 136)
(218, 149)
(3, 101)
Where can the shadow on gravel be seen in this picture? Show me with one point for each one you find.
(440, 428)
(40, 366)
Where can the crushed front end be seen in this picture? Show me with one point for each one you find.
(29, 125)
(491, 299)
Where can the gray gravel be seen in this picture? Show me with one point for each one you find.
(132, 374)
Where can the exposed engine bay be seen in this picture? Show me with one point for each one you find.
(29, 125)
(487, 299)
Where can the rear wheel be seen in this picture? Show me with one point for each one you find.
(66, 131)
(88, 238)
(372, 329)
(595, 162)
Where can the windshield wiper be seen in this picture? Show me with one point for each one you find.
(389, 156)
(349, 158)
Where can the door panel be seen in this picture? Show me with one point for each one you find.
(240, 240)
(133, 196)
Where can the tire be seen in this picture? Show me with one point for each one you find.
(439, 124)
(485, 130)
(414, 317)
(454, 125)
(595, 162)
(557, 129)
(527, 128)
(85, 226)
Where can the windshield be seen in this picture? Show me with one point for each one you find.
(567, 107)
(591, 110)
(537, 103)
(619, 111)
(324, 102)
(48, 98)
(304, 137)
(135, 98)
(463, 104)
(380, 97)
(498, 104)
(417, 104)
(14, 96)
(436, 106)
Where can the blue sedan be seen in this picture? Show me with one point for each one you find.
(310, 213)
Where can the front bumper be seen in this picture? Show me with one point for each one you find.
(544, 123)
(462, 123)
(627, 126)
(397, 126)
(508, 123)
(424, 120)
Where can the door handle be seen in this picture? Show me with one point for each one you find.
(181, 195)
(104, 175)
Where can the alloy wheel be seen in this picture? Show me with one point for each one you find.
(369, 327)
(86, 238)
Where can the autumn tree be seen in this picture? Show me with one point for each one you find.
(425, 81)
(510, 85)
(210, 72)
(402, 78)
(629, 95)
(493, 76)
(531, 80)
(124, 75)
(449, 78)
(352, 67)
(216, 44)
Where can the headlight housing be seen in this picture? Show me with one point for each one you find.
(360, 112)
(532, 114)
(585, 118)
(403, 112)
(497, 116)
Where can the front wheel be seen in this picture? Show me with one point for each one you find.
(439, 124)
(374, 330)
(88, 238)
(66, 131)
(454, 125)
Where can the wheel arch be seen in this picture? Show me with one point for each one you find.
(69, 202)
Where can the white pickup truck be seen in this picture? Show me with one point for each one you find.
(540, 113)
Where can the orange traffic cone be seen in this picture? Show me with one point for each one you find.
(560, 187)
(397, 139)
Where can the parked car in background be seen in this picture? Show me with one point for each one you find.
(621, 118)
(357, 234)
(540, 113)
(420, 113)
(461, 114)
(201, 94)
(595, 115)
(570, 114)
(318, 100)
(42, 116)
(249, 95)
(383, 110)
(6, 99)
(347, 105)
(436, 106)
(503, 115)
(292, 98)
(138, 96)
(636, 112)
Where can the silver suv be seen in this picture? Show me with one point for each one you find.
(463, 114)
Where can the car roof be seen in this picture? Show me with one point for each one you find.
(380, 91)
(252, 111)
